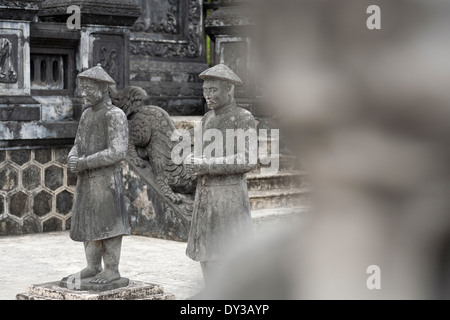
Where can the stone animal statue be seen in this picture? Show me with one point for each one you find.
(150, 144)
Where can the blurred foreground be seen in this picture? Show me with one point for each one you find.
(367, 112)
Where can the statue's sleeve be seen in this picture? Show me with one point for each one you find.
(117, 142)
(74, 152)
(242, 159)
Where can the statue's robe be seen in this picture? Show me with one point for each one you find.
(221, 216)
(99, 210)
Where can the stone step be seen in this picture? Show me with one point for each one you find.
(264, 199)
(266, 219)
(280, 180)
(285, 163)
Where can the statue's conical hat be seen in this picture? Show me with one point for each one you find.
(97, 73)
(221, 72)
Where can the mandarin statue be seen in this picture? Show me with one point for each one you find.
(221, 214)
(99, 216)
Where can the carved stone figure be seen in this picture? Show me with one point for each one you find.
(150, 143)
(99, 217)
(7, 71)
(221, 215)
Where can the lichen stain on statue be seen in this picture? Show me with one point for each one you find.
(150, 147)
(99, 215)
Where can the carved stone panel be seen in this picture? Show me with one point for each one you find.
(8, 58)
(14, 58)
(168, 29)
(109, 52)
(164, 18)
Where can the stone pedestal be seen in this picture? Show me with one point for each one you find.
(135, 290)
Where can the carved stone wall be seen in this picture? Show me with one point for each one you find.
(36, 191)
(167, 54)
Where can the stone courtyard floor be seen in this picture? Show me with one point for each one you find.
(45, 257)
(39, 258)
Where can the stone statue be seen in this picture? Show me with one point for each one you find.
(99, 217)
(221, 214)
(7, 72)
(150, 144)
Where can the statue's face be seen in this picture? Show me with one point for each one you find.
(92, 92)
(218, 93)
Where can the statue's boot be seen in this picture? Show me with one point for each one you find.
(111, 257)
(94, 252)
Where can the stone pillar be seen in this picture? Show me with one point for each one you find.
(104, 34)
(231, 28)
(16, 103)
(167, 54)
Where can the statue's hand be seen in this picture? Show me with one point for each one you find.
(73, 164)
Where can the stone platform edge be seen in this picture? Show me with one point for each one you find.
(136, 290)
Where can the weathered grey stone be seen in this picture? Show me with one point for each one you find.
(221, 216)
(42, 203)
(18, 204)
(43, 156)
(2, 156)
(33, 130)
(164, 67)
(113, 12)
(64, 202)
(9, 226)
(2, 203)
(8, 179)
(99, 215)
(19, 10)
(20, 113)
(135, 290)
(20, 156)
(31, 225)
(71, 178)
(53, 177)
(86, 285)
(61, 155)
(31, 177)
(150, 215)
(158, 191)
(52, 224)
